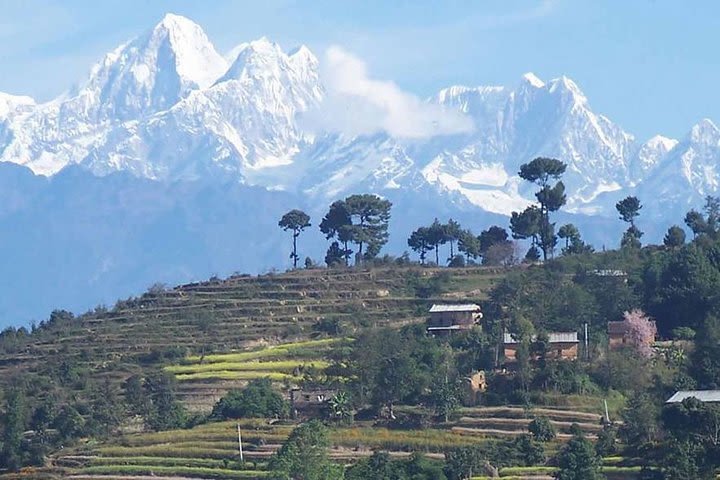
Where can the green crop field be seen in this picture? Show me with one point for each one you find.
(283, 362)
(293, 349)
(211, 451)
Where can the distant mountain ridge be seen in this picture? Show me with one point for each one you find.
(167, 106)
(209, 140)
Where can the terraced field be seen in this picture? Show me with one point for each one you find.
(510, 421)
(211, 450)
(609, 469)
(238, 313)
(200, 376)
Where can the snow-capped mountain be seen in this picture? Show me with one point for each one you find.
(167, 106)
(151, 73)
(514, 126)
(649, 155)
(172, 162)
(688, 172)
(242, 123)
(11, 105)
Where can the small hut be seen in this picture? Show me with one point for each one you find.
(446, 318)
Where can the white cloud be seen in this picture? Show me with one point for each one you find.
(357, 104)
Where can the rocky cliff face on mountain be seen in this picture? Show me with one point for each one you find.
(167, 108)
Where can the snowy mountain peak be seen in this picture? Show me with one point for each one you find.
(10, 104)
(450, 95)
(172, 21)
(533, 80)
(705, 131)
(264, 59)
(649, 155)
(152, 72)
(661, 143)
(264, 45)
(260, 50)
(303, 55)
(195, 56)
(567, 87)
(688, 172)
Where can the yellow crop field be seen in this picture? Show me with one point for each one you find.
(286, 366)
(273, 351)
(236, 375)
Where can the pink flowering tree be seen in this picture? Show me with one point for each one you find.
(641, 331)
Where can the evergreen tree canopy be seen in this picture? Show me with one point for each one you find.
(452, 235)
(675, 237)
(551, 198)
(578, 461)
(629, 208)
(296, 221)
(469, 244)
(337, 224)
(304, 455)
(526, 224)
(541, 170)
(492, 236)
(419, 242)
(436, 236)
(370, 215)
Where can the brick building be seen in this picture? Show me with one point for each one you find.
(561, 346)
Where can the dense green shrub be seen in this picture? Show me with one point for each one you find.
(258, 399)
(542, 430)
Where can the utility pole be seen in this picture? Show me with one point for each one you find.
(587, 350)
(607, 415)
(242, 460)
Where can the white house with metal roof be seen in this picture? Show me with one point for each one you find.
(449, 317)
(705, 396)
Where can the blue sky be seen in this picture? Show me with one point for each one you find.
(650, 65)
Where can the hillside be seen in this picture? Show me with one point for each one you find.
(217, 335)
(210, 321)
(157, 385)
(240, 312)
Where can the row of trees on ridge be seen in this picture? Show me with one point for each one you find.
(362, 220)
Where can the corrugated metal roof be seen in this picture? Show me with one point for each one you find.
(622, 327)
(709, 396)
(619, 328)
(465, 307)
(449, 327)
(556, 337)
(563, 337)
